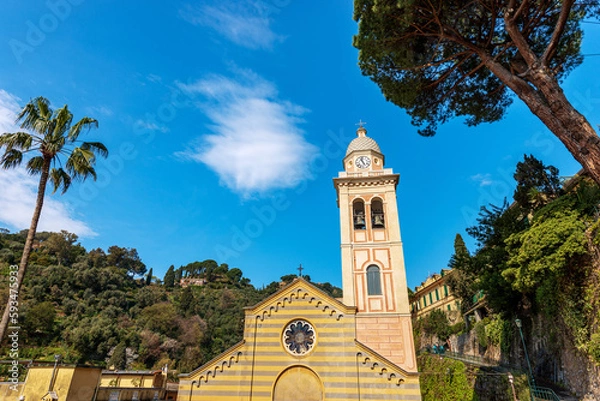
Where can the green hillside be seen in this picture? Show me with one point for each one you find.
(104, 307)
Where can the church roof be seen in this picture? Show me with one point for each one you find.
(363, 142)
(299, 283)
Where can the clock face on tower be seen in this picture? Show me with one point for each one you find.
(363, 162)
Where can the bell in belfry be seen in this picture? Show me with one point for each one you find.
(359, 219)
(378, 220)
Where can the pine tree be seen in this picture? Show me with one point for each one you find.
(537, 184)
(178, 275)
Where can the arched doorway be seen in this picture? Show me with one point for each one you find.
(298, 383)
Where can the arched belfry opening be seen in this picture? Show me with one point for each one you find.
(377, 215)
(358, 214)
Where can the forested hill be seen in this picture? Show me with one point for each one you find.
(105, 308)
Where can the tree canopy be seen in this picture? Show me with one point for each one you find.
(537, 183)
(449, 58)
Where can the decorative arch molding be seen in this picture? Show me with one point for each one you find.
(219, 366)
(379, 368)
(298, 295)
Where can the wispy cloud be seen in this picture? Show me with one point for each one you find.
(95, 111)
(245, 23)
(256, 144)
(151, 126)
(19, 189)
(154, 78)
(483, 180)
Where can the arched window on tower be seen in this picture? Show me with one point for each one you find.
(358, 214)
(373, 280)
(377, 218)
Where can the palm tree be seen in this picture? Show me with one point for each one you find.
(52, 136)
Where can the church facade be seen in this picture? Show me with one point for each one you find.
(301, 344)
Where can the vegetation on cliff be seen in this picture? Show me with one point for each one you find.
(537, 256)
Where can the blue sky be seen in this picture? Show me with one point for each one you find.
(226, 122)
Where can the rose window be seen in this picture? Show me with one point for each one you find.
(299, 337)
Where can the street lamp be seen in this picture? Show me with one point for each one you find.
(530, 379)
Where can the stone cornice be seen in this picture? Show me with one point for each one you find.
(361, 181)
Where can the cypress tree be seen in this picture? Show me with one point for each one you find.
(149, 277)
(169, 280)
(119, 357)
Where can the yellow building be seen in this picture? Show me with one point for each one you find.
(54, 383)
(435, 293)
(302, 344)
(132, 386)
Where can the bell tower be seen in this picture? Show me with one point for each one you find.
(373, 274)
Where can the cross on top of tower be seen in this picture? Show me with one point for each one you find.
(361, 131)
(361, 123)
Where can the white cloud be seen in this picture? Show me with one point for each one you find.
(245, 23)
(17, 201)
(256, 145)
(483, 180)
(9, 108)
(151, 126)
(18, 189)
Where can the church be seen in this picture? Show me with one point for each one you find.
(300, 344)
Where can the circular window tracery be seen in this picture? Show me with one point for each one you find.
(299, 337)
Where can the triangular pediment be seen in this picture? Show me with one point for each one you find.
(298, 291)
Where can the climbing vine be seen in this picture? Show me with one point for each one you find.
(444, 379)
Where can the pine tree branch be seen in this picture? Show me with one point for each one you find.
(558, 31)
(510, 17)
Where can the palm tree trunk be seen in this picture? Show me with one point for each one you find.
(27, 249)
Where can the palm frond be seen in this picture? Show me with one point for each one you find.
(43, 105)
(60, 179)
(96, 147)
(18, 140)
(84, 123)
(62, 122)
(11, 158)
(36, 115)
(29, 115)
(79, 164)
(35, 164)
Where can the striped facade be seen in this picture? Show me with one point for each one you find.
(337, 367)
